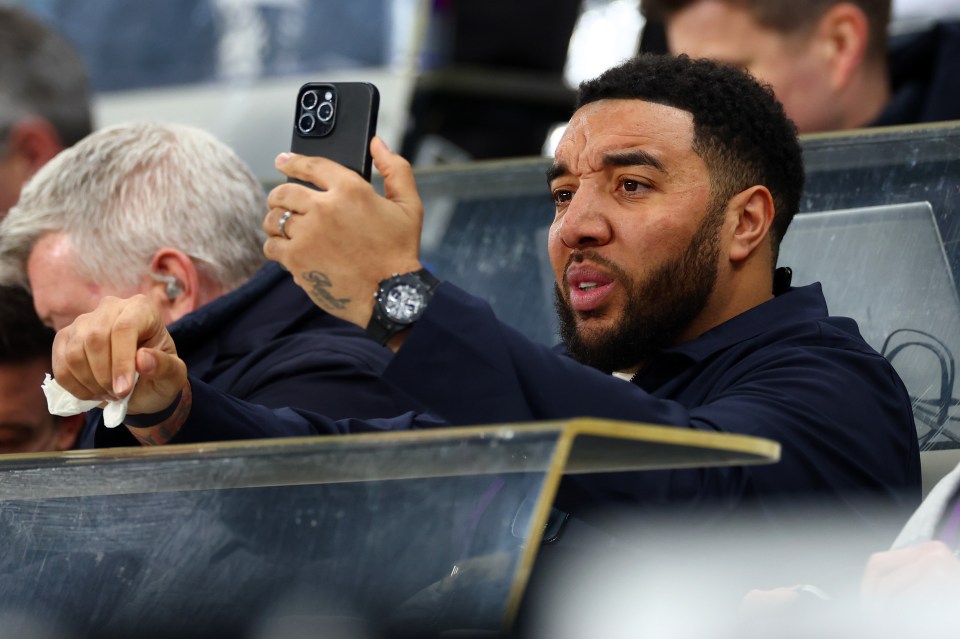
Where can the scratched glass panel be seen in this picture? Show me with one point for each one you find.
(896, 165)
(889, 254)
(485, 229)
(321, 537)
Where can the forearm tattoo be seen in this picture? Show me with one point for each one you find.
(319, 285)
(167, 429)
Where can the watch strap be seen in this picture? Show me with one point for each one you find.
(380, 332)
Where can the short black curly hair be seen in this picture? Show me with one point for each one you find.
(739, 127)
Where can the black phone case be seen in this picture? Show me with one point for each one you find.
(354, 125)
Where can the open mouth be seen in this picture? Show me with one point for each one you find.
(588, 287)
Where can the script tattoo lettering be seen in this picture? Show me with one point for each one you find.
(320, 282)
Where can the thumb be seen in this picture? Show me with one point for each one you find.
(398, 183)
(162, 377)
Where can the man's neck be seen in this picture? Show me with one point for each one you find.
(866, 97)
(729, 300)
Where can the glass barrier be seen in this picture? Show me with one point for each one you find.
(485, 229)
(881, 230)
(879, 227)
(399, 534)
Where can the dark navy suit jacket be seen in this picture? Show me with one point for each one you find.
(267, 343)
(924, 76)
(784, 370)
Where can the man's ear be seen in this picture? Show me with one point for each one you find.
(68, 428)
(842, 36)
(753, 210)
(176, 284)
(34, 142)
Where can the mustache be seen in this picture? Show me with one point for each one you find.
(580, 256)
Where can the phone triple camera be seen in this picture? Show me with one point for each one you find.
(316, 109)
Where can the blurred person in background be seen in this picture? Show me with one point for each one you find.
(909, 590)
(25, 346)
(44, 99)
(829, 62)
(913, 15)
(170, 213)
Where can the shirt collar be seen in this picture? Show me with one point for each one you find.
(230, 304)
(798, 304)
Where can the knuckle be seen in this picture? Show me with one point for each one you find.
(71, 359)
(278, 194)
(269, 248)
(98, 337)
(125, 323)
(354, 185)
(307, 163)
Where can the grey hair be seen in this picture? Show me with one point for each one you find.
(41, 74)
(128, 190)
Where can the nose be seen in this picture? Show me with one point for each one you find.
(583, 224)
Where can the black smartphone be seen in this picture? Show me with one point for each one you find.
(336, 120)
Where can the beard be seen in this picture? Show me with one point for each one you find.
(657, 310)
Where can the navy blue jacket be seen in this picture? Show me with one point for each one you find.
(784, 370)
(924, 77)
(268, 344)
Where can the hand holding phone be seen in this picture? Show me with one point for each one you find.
(336, 121)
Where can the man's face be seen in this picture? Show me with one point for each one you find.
(60, 293)
(791, 64)
(25, 424)
(633, 249)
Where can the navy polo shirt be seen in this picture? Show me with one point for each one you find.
(784, 370)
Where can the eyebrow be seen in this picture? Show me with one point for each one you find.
(634, 157)
(556, 170)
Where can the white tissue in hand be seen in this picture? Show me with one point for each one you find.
(63, 403)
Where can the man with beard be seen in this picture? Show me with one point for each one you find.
(674, 184)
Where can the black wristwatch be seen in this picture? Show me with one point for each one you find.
(400, 301)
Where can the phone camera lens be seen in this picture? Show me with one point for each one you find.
(306, 123)
(325, 111)
(309, 100)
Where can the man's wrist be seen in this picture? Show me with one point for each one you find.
(397, 340)
(399, 302)
(147, 420)
(159, 428)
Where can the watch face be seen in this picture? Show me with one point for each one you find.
(403, 303)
